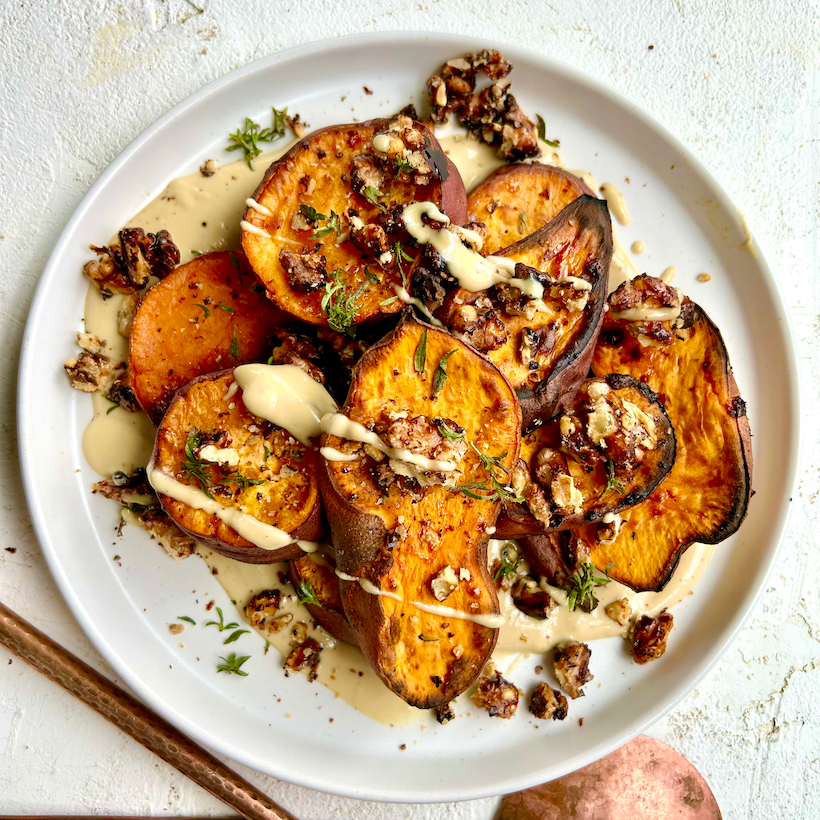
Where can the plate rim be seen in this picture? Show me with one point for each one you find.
(50, 270)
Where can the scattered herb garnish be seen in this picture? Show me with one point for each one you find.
(448, 432)
(496, 490)
(192, 467)
(334, 225)
(522, 222)
(372, 195)
(371, 277)
(420, 357)
(226, 308)
(234, 345)
(582, 586)
(248, 138)
(222, 626)
(542, 132)
(295, 454)
(402, 256)
(612, 483)
(267, 449)
(440, 376)
(134, 506)
(388, 301)
(243, 481)
(267, 647)
(205, 310)
(403, 165)
(429, 640)
(114, 404)
(235, 636)
(340, 304)
(508, 567)
(310, 213)
(233, 665)
(196, 253)
(235, 261)
(306, 594)
(186, 618)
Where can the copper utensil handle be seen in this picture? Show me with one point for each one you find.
(77, 677)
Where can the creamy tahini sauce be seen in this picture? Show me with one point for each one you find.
(203, 214)
(617, 203)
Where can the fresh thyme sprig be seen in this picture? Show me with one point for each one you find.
(582, 585)
(448, 432)
(496, 489)
(235, 636)
(233, 665)
(306, 594)
(220, 624)
(401, 256)
(192, 467)
(612, 483)
(247, 139)
(372, 195)
(340, 304)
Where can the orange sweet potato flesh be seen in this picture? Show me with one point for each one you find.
(402, 540)
(317, 173)
(608, 482)
(317, 570)
(185, 325)
(705, 496)
(285, 492)
(518, 199)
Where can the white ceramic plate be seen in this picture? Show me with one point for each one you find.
(281, 726)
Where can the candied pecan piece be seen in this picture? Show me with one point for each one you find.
(306, 271)
(480, 326)
(261, 610)
(571, 665)
(123, 394)
(620, 611)
(418, 435)
(366, 173)
(370, 238)
(495, 694)
(89, 371)
(650, 637)
(547, 703)
(305, 656)
(296, 349)
(531, 598)
(445, 713)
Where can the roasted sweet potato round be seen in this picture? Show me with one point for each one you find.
(314, 577)
(208, 439)
(518, 199)
(326, 237)
(608, 450)
(417, 538)
(705, 496)
(206, 315)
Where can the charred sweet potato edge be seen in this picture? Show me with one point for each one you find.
(516, 521)
(169, 454)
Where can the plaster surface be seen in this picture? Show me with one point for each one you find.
(737, 81)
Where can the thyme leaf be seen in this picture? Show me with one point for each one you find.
(582, 585)
(226, 308)
(192, 467)
(205, 309)
(448, 432)
(508, 566)
(248, 137)
(372, 195)
(612, 483)
(429, 640)
(306, 594)
(542, 132)
(334, 225)
(234, 345)
(340, 304)
(186, 618)
(440, 376)
(220, 624)
(233, 665)
(420, 357)
(495, 487)
(522, 222)
(235, 636)
(311, 214)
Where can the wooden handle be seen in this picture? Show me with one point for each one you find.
(77, 677)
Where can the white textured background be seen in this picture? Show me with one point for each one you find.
(738, 81)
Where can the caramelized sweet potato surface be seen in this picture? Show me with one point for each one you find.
(330, 218)
(206, 315)
(314, 574)
(402, 537)
(518, 199)
(705, 496)
(209, 440)
(609, 449)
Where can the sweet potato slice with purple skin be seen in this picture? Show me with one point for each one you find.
(186, 324)
(275, 479)
(706, 494)
(518, 199)
(545, 353)
(315, 570)
(617, 472)
(332, 172)
(401, 537)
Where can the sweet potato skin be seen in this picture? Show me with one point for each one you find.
(516, 521)
(184, 327)
(330, 615)
(202, 404)
(705, 496)
(536, 191)
(426, 672)
(586, 227)
(324, 156)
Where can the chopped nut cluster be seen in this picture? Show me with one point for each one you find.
(126, 265)
(651, 293)
(305, 271)
(91, 370)
(498, 696)
(547, 703)
(492, 113)
(296, 349)
(620, 611)
(650, 637)
(261, 611)
(473, 317)
(305, 657)
(571, 666)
